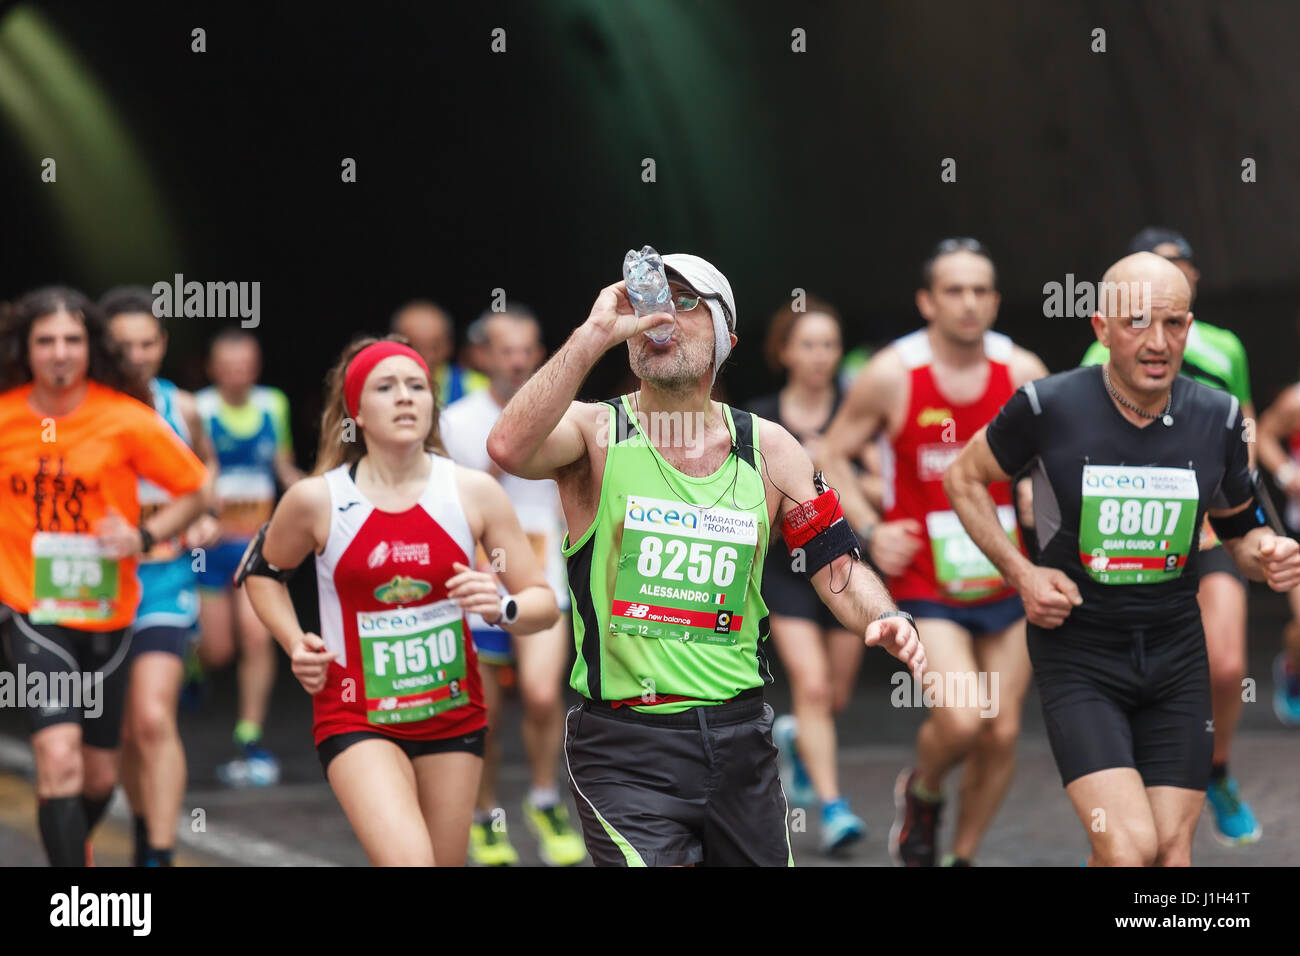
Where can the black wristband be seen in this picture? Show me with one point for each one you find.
(146, 540)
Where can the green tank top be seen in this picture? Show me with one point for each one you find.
(665, 582)
(1213, 357)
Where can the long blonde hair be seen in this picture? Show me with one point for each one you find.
(333, 449)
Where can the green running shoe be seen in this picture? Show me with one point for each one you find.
(489, 845)
(558, 843)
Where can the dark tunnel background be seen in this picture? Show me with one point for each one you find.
(522, 170)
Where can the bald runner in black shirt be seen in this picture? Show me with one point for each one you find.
(1126, 460)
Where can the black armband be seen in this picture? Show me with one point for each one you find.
(819, 529)
(253, 563)
(824, 547)
(1235, 525)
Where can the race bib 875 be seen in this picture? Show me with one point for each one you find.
(683, 572)
(1136, 525)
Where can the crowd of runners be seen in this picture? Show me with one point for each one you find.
(477, 531)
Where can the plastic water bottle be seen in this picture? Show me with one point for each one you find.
(648, 291)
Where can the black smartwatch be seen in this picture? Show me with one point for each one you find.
(146, 540)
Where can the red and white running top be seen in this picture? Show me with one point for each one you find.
(406, 665)
(948, 568)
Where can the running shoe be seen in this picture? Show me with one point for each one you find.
(794, 776)
(490, 846)
(254, 767)
(841, 827)
(915, 832)
(952, 859)
(558, 843)
(1286, 691)
(1234, 822)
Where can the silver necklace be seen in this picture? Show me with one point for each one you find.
(1164, 416)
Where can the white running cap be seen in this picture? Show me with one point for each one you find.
(702, 277)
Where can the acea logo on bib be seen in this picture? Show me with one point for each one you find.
(1113, 479)
(671, 517)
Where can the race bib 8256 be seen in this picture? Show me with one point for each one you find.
(683, 572)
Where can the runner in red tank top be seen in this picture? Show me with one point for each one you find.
(930, 391)
(398, 704)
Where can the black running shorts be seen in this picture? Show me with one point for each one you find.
(332, 746)
(67, 676)
(699, 787)
(1137, 698)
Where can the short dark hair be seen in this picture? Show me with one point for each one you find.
(947, 247)
(129, 299)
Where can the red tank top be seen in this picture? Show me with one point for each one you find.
(948, 567)
(406, 665)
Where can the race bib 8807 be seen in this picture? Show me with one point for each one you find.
(1136, 525)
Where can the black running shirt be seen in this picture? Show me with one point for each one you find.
(1118, 507)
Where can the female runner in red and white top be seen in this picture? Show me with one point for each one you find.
(398, 707)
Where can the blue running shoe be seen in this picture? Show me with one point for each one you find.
(794, 777)
(255, 767)
(1234, 823)
(841, 827)
(1286, 692)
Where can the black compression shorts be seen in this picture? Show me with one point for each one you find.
(1139, 698)
(471, 743)
(1216, 560)
(69, 676)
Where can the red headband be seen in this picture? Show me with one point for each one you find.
(364, 361)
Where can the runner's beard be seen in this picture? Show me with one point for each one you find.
(678, 370)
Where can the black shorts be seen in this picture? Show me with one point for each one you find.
(164, 639)
(1137, 699)
(699, 787)
(1216, 560)
(792, 595)
(471, 743)
(82, 677)
(977, 619)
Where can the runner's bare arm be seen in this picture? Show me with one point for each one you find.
(966, 484)
(285, 468)
(543, 430)
(494, 523)
(200, 442)
(864, 412)
(1025, 366)
(1273, 433)
(849, 588)
(299, 526)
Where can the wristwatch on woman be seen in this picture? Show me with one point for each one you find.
(509, 611)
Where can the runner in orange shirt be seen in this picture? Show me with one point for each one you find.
(78, 436)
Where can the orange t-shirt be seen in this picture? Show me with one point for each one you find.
(65, 473)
